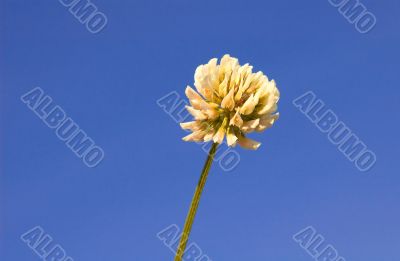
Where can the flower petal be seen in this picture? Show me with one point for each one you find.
(219, 136)
(209, 136)
(249, 126)
(231, 137)
(236, 120)
(195, 99)
(191, 125)
(248, 143)
(228, 102)
(194, 136)
(249, 105)
(267, 121)
(198, 115)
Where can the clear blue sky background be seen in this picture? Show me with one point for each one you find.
(109, 83)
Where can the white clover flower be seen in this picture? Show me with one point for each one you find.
(230, 101)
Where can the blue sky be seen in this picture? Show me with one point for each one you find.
(109, 82)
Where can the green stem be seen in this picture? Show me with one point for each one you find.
(195, 203)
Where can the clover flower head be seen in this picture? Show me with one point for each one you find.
(231, 101)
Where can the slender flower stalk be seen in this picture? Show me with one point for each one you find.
(195, 203)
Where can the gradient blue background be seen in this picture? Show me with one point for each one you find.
(109, 83)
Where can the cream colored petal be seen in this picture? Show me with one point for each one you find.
(255, 83)
(188, 137)
(236, 120)
(231, 137)
(269, 99)
(248, 143)
(213, 62)
(267, 121)
(191, 125)
(233, 79)
(198, 78)
(238, 95)
(195, 99)
(249, 79)
(212, 114)
(208, 108)
(268, 108)
(249, 105)
(223, 86)
(256, 98)
(205, 125)
(228, 102)
(249, 126)
(204, 81)
(272, 86)
(246, 70)
(219, 136)
(236, 79)
(262, 90)
(209, 136)
(209, 94)
(198, 115)
(273, 92)
(192, 94)
(245, 80)
(212, 72)
(194, 136)
(228, 62)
